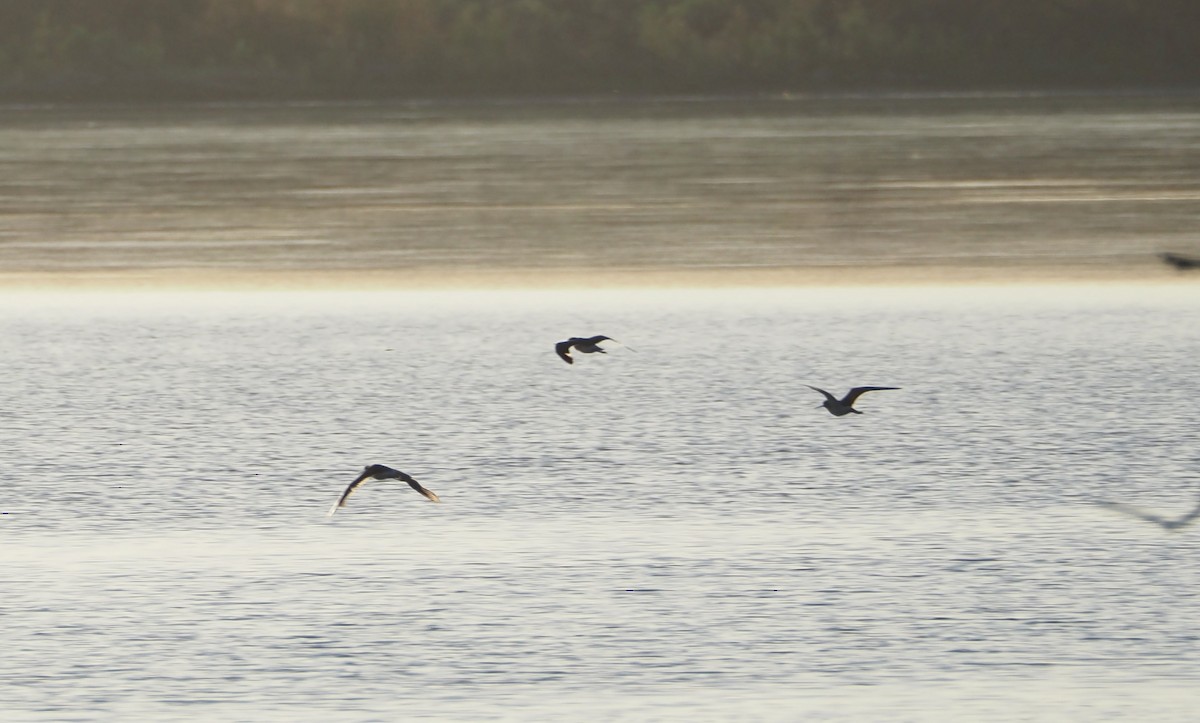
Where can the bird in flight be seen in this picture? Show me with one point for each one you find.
(1167, 524)
(380, 472)
(845, 405)
(589, 345)
(1183, 263)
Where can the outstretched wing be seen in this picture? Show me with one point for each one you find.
(1135, 512)
(1179, 262)
(563, 350)
(1189, 517)
(417, 486)
(857, 392)
(366, 475)
(1162, 522)
(599, 338)
(828, 396)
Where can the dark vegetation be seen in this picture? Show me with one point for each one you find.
(152, 49)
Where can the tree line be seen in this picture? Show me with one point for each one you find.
(404, 48)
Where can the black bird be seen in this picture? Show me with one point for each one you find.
(845, 405)
(583, 346)
(1183, 263)
(381, 472)
(1167, 524)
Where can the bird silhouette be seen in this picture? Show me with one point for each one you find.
(1182, 263)
(1168, 524)
(380, 472)
(589, 345)
(845, 405)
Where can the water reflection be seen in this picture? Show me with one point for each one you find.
(1009, 181)
(1167, 523)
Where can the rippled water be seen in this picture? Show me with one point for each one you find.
(807, 182)
(673, 532)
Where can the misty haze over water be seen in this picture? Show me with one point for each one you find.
(894, 181)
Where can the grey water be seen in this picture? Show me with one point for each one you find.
(672, 532)
(1007, 180)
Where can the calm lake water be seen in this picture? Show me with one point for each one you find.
(669, 532)
(673, 532)
(808, 182)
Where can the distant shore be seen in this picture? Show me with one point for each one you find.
(222, 50)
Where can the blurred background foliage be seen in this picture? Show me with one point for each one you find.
(406, 48)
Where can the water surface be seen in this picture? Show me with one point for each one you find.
(675, 532)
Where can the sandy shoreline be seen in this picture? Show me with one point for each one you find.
(433, 278)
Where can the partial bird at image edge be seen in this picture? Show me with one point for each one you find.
(1168, 524)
